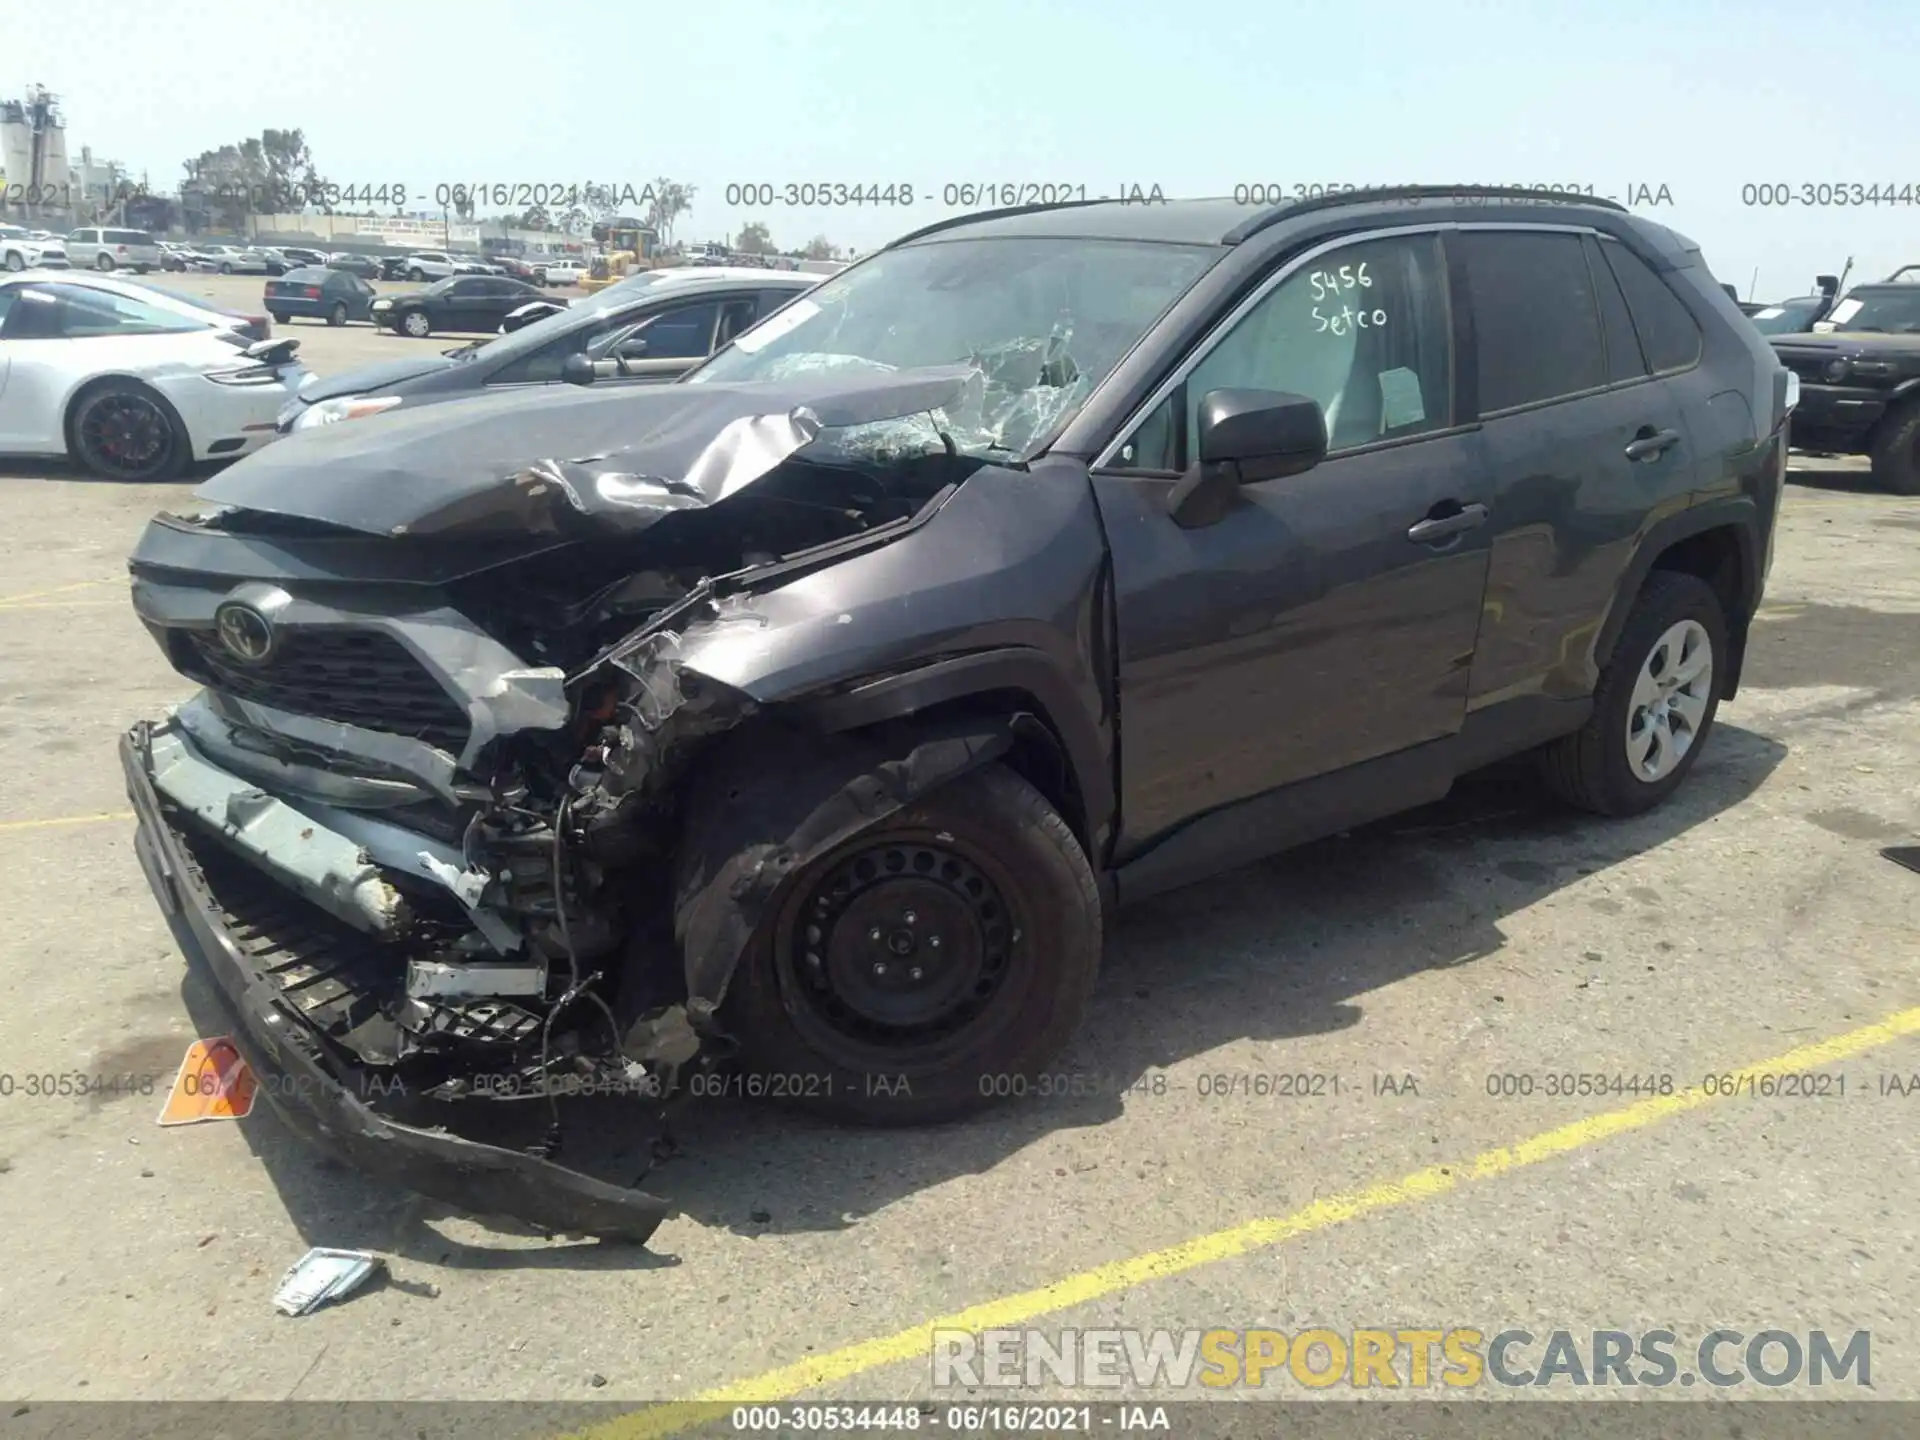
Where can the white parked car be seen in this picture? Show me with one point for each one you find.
(31, 249)
(564, 270)
(431, 265)
(105, 248)
(127, 388)
(250, 324)
(232, 260)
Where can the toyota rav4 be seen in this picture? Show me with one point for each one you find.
(814, 714)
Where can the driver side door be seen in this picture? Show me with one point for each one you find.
(1284, 669)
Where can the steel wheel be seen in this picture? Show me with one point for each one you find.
(898, 948)
(337, 316)
(416, 324)
(127, 434)
(103, 262)
(1670, 698)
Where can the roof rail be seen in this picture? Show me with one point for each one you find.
(972, 215)
(1255, 224)
(1905, 275)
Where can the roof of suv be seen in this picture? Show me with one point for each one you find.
(1217, 221)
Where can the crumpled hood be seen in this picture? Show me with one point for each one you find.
(370, 378)
(565, 459)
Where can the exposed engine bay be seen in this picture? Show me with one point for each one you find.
(435, 774)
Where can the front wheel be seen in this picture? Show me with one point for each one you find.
(1654, 704)
(416, 324)
(226, 267)
(416, 275)
(121, 430)
(103, 262)
(16, 261)
(928, 966)
(1896, 451)
(337, 316)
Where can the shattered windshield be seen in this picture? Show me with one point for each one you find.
(1040, 322)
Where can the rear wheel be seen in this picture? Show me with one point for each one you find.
(416, 324)
(1896, 451)
(337, 315)
(226, 267)
(121, 430)
(280, 317)
(927, 967)
(416, 275)
(1654, 705)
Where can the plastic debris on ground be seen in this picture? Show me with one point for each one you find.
(322, 1275)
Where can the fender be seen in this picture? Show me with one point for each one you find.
(744, 838)
(1736, 511)
(1013, 667)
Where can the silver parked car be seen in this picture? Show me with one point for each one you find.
(105, 248)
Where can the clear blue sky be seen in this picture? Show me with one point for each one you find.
(1702, 97)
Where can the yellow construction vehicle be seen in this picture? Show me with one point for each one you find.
(629, 247)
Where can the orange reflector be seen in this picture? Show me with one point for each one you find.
(214, 1083)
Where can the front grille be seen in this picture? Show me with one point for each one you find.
(357, 677)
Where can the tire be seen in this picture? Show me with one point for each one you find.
(141, 269)
(416, 275)
(984, 861)
(1896, 451)
(127, 412)
(279, 317)
(337, 315)
(103, 262)
(226, 267)
(1594, 768)
(414, 323)
(16, 261)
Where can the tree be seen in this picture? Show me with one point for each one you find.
(819, 248)
(261, 173)
(535, 218)
(755, 239)
(463, 202)
(670, 199)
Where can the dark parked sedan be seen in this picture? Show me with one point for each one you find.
(461, 303)
(320, 294)
(621, 337)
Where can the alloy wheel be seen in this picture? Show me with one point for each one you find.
(125, 433)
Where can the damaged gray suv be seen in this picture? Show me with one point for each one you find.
(808, 718)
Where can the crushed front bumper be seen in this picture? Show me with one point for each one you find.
(308, 1081)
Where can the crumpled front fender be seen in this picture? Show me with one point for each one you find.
(772, 799)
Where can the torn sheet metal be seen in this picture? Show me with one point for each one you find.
(322, 1275)
(326, 867)
(488, 466)
(747, 837)
(442, 980)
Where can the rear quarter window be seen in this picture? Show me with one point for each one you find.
(1668, 332)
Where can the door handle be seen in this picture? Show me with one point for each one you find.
(1439, 527)
(1651, 444)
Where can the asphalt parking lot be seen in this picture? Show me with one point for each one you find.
(1751, 921)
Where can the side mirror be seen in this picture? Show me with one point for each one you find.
(1240, 438)
(577, 369)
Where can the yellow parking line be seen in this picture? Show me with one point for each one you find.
(56, 590)
(65, 820)
(916, 1342)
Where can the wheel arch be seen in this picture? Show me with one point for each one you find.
(1718, 542)
(70, 405)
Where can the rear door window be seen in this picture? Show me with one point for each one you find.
(1668, 332)
(685, 333)
(1536, 323)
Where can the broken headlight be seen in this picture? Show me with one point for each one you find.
(347, 407)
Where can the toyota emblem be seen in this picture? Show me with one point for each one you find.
(244, 632)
